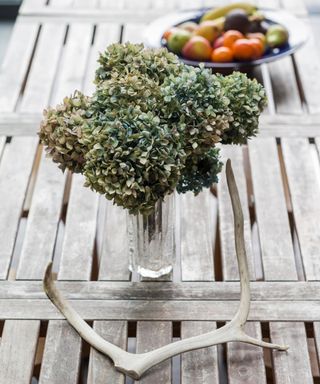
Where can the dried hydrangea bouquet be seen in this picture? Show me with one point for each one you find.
(150, 129)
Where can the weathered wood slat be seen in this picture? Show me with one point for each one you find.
(17, 351)
(273, 223)
(138, 4)
(84, 3)
(42, 221)
(107, 4)
(15, 170)
(61, 358)
(197, 252)
(32, 3)
(114, 257)
(293, 366)
(63, 344)
(16, 62)
(133, 32)
(113, 266)
(188, 4)
(197, 240)
(285, 88)
(245, 362)
(2, 144)
(164, 4)
(316, 327)
(226, 227)
(74, 61)
(199, 366)
(162, 310)
(266, 80)
(272, 4)
(194, 291)
(27, 37)
(304, 183)
(101, 369)
(66, 4)
(38, 87)
(60, 14)
(308, 62)
(152, 335)
(314, 21)
(277, 251)
(80, 231)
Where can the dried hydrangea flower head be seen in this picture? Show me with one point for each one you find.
(247, 100)
(151, 126)
(136, 157)
(61, 131)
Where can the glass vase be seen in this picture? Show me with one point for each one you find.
(151, 240)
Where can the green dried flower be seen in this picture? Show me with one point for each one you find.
(151, 126)
(247, 100)
(134, 161)
(135, 157)
(195, 100)
(62, 129)
(128, 58)
(200, 172)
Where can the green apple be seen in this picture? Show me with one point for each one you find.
(178, 39)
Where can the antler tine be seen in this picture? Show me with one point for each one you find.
(135, 365)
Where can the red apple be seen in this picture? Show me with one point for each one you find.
(197, 48)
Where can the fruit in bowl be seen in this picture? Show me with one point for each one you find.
(235, 33)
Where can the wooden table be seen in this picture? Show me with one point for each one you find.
(46, 215)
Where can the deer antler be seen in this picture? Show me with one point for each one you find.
(135, 365)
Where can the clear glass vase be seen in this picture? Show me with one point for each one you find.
(151, 240)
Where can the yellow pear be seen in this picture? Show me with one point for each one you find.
(209, 29)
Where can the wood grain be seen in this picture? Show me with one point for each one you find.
(162, 310)
(15, 172)
(80, 232)
(37, 242)
(63, 344)
(246, 363)
(197, 240)
(101, 369)
(16, 62)
(193, 291)
(292, 366)
(43, 70)
(271, 211)
(285, 88)
(152, 335)
(304, 182)
(308, 63)
(17, 352)
(199, 366)
(61, 357)
(114, 257)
